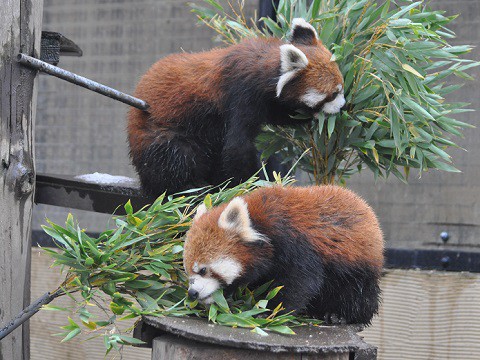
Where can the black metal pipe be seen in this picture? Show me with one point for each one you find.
(27, 313)
(81, 81)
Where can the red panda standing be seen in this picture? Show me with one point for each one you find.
(207, 108)
(323, 243)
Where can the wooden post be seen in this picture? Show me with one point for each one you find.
(170, 347)
(20, 31)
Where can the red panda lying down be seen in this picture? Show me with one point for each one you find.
(323, 243)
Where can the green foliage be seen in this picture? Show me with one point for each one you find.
(397, 65)
(136, 269)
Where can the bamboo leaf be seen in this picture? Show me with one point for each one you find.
(71, 335)
(331, 125)
(412, 70)
(130, 340)
(220, 300)
(128, 208)
(215, 4)
(416, 108)
(259, 331)
(212, 313)
(281, 329)
(272, 293)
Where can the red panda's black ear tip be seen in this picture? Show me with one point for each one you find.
(303, 33)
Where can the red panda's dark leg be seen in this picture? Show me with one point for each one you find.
(240, 163)
(172, 165)
(240, 158)
(300, 270)
(299, 290)
(351, 293)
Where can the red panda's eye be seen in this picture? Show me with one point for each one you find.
(202, 271)
(334, 95)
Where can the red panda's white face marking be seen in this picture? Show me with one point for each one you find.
(202, 287)
(316, 100)
(312, 98)
(211, 254)
(207, 278)
(305, 65)
(228, 269)
(337, 103)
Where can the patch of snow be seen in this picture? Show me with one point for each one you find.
(106, 179)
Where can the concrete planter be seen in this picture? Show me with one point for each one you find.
(191, 338)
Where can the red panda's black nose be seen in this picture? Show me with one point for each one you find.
(192, 294)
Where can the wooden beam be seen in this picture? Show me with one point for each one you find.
(20, 31)
(72, 192)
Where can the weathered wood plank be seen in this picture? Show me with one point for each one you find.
(170, 347)
(73, 192)
(20, 31)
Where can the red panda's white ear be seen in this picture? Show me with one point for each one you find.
(236, 218)
(201, 210)
(292, 59)
(303, 33)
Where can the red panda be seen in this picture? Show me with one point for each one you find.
(323, 243)
(207, 108)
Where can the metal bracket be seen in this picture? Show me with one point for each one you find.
(54, 45)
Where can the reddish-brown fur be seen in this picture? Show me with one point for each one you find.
(341, 225)
(171, 86)
(175, 83)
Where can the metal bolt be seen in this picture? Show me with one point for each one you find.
(445, 236)
(445, 261)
